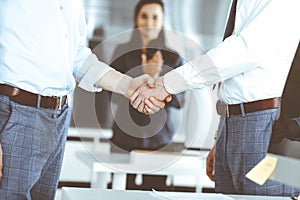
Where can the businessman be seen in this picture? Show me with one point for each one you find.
(42, 56)
(251, 66)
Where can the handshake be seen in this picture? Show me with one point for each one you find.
(148, 95)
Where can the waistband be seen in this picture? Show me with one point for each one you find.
(26, 98)
(244, 108)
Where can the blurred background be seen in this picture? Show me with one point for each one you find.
(201, 20)
(193, 27)
(200, 24)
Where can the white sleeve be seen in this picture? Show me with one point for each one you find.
(262, 36)
(87, 68)
(92, 71)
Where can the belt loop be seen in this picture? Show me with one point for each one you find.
(242, 110)
(279, 108)
(38, 101)
(227, 111)
(60, 102)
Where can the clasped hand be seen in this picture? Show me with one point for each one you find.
(149, 98)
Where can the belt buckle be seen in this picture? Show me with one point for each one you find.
(58, 103)
(222, 108)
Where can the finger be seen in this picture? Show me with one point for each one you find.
(169, 98)
(134, 96)
(210, 169)
(151, 106)
(158, 55)
(157, 103)
(211, 176)
(155, 55)
(210, 163)
(210, 173)
(157, 58)
(160, 58)
(137, 102)
(148, 111)
(161, 62)
(144, 59)
(141, 107)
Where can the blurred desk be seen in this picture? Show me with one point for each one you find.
(86, 134)
(143, 162)
(89, 133)
(99, 194)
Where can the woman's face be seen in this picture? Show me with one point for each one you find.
(150, 20)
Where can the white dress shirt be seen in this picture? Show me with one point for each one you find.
(42, 47)
(253, 63)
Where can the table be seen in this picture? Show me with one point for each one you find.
(141, 162)
(95, 134)
(104, 194)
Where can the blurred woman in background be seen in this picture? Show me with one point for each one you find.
(145, 53)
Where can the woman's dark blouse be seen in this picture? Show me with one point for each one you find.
(140, 131)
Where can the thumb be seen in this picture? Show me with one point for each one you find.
(146, 78)
(169, 98)
(151, 82)
(142, 78)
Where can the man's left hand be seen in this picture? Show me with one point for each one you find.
(284, 127)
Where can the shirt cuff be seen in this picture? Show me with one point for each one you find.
(184, 78)
(175, 83)
(93, 73)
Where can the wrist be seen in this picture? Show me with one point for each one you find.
(116, 82)
(124, 87)
(174, 83)
(160, 81)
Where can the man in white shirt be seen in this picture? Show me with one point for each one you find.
(42, 55)
(251, 66)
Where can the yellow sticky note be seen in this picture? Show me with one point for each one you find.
(263, 170)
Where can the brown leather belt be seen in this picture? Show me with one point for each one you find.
(239, 109)
(30, 99)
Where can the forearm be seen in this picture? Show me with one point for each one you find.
(90, 72)
(116, 82)
(201, 73)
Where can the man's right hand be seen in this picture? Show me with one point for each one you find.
(210, 164)
(157, 90)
